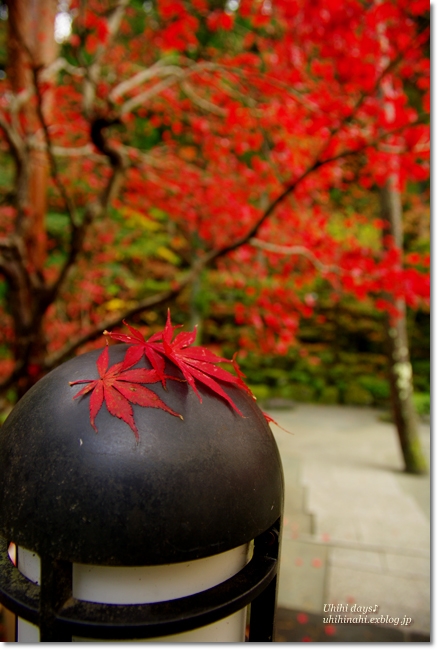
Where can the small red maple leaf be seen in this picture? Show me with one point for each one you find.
(120, 388)
(138, 346)
(198, 363)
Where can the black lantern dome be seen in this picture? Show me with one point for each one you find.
(187, 489)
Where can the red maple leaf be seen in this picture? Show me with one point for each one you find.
(195, 362)
(119, 388)
(138, 346)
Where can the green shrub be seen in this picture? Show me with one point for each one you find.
(422, 403)
(301, 393)
(287, 392)
(355, 394)
(299, 376)
(329, 395)
(379, 388)
(261, 391)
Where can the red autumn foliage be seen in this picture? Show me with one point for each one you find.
(215, 128)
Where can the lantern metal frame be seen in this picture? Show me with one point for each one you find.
(59, 616)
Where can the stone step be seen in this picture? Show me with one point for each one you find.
(297, 523)
(291, 470)
(295, 500)
(303, 571)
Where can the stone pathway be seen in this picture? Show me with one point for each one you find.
(356, 528)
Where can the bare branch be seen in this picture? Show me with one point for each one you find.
(113, 23)
(294, 250)
(143, 97)
(205, 104)
(99, 207)
(241, 75)
(157, 70)
(58, 65)
(19, 152)
(13, 256)
(92, 72)
(70, 208)
(14, 139)
(399, 149)
(86, 150)
(174, 75)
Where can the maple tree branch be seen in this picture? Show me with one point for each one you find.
(294, 250)
(155, 70)
(22, 282)
(154, 301)
(113, 23)
(87, 150)
(11, 260)
(94, 209)
(69, 205)
(16, 102)
(14, 140)
(215, 254)
(173, 74)
(241, 75)
(92, 71)
(140, 99)
(99, 207)
(78, 230)
(305, 252)
(159, 69)
(205, 104)
(19, 151)
(61, 64)
(230, 73)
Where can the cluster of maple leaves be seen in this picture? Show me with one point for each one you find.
(121, 385)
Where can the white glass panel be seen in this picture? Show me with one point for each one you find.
(154, 584)
(27, 632)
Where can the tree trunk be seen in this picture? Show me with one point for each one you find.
(399, 365)
(31, 44)
(31, 47)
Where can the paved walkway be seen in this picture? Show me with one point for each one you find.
(356, 528)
